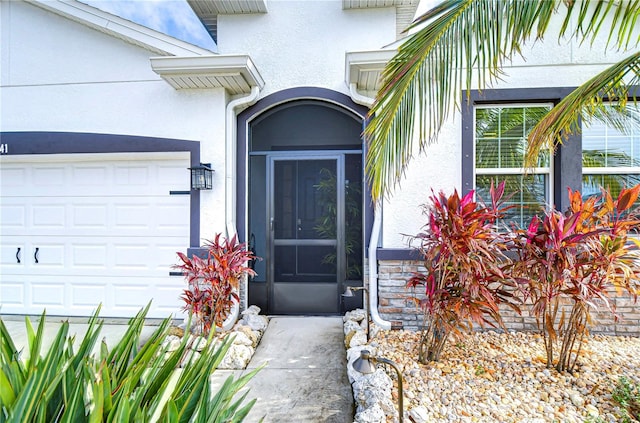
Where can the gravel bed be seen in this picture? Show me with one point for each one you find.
(497, 377)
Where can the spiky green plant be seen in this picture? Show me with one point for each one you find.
(130, 383)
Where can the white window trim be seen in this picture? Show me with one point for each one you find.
(549, 171)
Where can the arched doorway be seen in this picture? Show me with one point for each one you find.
(305, 203)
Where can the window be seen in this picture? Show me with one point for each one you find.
(610, 158)
(500, 143)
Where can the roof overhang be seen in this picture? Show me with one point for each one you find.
(128, 31)
(364, 69)
(405, 10)
(235, 73)
(227, 7)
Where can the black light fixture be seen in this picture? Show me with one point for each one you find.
(349, 293)
(366, 364)
(201, 176)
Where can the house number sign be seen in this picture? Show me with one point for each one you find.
(4, 148)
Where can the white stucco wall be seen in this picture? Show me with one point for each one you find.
(59, 75)
(303, 43)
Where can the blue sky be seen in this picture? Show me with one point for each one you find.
(172, 17)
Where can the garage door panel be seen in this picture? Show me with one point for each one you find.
(90, 216)
(11, 254)
(12, 216)
(48, 177)
(88, 296)
(48, 216)
(48, 256)
(89, 257)
(12, 293)
(12, 179)
(47, 294)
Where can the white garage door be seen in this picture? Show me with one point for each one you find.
(80, 230)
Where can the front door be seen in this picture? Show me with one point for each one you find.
(306, 225)
(306, 230)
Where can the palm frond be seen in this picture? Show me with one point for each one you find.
(589, 101)
(456, 42)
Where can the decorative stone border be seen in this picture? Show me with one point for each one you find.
(247, 331)
(371, 392)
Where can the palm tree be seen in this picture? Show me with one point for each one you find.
(461, 40)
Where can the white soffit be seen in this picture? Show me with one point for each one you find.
(405, 10)
(236, 73)
(128, 31)
(227, 7)
(364, 68)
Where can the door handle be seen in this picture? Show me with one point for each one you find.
(271, 224)
(18, 256)
(35, 255)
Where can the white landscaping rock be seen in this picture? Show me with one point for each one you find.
(241, 338)
(252, 334)
(198, 343)
(351, 325)
(374, 388)
(357, 315)
(576, 399)
(370, 415)
(236, 358)
(419, 414)
(171, 343)
(358, 338)
(254, 309)
(256, 322)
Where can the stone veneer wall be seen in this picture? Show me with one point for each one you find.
(394, 304)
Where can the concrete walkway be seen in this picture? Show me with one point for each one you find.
(305, 378)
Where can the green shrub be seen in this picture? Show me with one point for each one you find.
(130, 383)
(627, 395)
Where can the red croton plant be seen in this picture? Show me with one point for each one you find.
(565, 267)
(569, 264)
(213, 281)
(464, 282)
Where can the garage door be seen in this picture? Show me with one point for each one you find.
(80, 230)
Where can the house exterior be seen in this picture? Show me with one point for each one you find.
(101, 118)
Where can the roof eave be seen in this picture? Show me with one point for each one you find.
(235, 73)
(128, 31)
(364, 69)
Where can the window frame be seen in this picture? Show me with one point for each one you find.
(547, 171)
(565, 165)
(628, 170)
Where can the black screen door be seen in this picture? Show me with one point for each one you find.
(306, 231)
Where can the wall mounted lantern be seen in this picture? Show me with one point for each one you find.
(201, 176)
(366, 364)
(349, 293)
